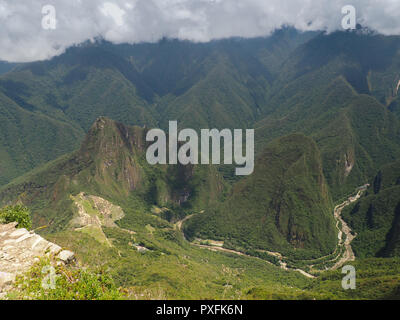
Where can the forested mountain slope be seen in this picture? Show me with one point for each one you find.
(326, 117)
(376, 218)
(284, 205)
(218, 84)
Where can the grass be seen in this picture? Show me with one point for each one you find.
(64, 283)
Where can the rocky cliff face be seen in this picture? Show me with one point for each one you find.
(20, 249)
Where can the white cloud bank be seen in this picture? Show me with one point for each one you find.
(22, 37)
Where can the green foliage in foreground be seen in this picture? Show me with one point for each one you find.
(174, 269)
(70, 284)
(17, 213)
(231, 278)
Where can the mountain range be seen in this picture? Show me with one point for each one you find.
(325, 109)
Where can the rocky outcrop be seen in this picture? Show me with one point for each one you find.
(20, 249)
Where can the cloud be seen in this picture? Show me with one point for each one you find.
(112, 10)
(22, 37)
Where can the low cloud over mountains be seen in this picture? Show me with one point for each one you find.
(22, 37)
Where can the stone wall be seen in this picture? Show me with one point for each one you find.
(20, 249)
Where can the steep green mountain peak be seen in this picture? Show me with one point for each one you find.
(284, 206)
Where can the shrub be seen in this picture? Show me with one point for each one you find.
(70, 284)
(17, 213)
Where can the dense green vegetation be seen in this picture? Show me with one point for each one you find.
(284, 205)
(111, 163)
(45, 107)
(70, 284)
(172, 268)
(376, 217)
(316, 94)
(28, 138)
(375, 279)
(325, 109)
(17, 213)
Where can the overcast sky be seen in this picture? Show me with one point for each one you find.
(22, 37)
